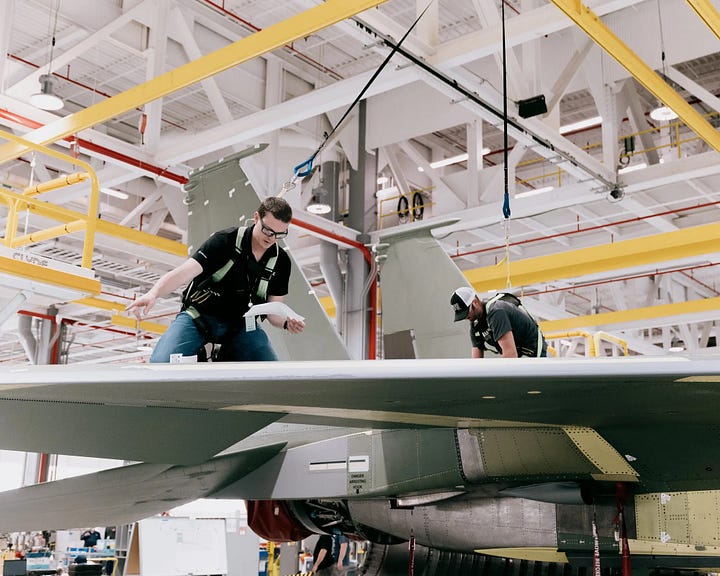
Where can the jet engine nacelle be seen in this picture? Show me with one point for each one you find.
(461, 523)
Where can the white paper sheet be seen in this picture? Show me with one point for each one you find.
(277, 308)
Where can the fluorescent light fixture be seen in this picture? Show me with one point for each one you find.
(663, 114)
(45, 99)
(448, 161)
(455, 159)
(385, 193)
(421, 169)
(587, 123)
(535, 192)
(632, 168)
(114, 193)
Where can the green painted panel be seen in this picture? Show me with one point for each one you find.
(520, 452)
(399, 461)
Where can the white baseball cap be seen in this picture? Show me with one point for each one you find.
(461, 300)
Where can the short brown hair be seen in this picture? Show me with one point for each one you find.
(278, 207)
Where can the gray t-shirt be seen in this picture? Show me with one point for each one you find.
(501, 319)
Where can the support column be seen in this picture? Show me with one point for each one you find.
(329, 265)
(8, 12)
(155, 67)
(356, 336)
(475, 161)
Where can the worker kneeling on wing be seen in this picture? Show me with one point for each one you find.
(501, 324)
(234, 269)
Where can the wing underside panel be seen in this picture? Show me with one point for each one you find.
(122, 495)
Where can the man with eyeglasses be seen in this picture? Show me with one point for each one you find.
(225, 276)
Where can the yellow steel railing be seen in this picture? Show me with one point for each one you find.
(589, 342)
(72, 221)
(598, 337)
(17, 202)
(409, 211)
(593, 342)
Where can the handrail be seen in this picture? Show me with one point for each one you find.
(55, 183)
(73, 221)
(592, 341)
(410, 209)
(592, 350)
(88, 223)
(601, 335)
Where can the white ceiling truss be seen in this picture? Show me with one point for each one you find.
(620, 178)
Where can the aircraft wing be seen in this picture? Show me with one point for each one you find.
(436, 429)
(122, 495)
(182, 414)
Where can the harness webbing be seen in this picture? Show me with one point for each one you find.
(221, 272)
(500, 296)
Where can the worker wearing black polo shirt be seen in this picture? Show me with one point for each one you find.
(227, 275)
(501, 324)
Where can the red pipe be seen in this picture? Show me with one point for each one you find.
(42, 468)
(634, 277)
(88, 145)
(71, 321)
(368, 258)
(81, 85)
(253, 28)
(589, 229)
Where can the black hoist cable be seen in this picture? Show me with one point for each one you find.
(304, 169)
(506, 191)
(475, 99)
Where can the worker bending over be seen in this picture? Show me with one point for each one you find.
(501, 324)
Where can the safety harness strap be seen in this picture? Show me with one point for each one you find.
(265, 280)
(500, 296)
(219, 274)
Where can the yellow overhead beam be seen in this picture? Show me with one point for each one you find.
(588, 21)
(708, 13)
(637, 314)
(294, 28)
(145, 326)
(142, 238)
(101, 303)
(120, 319)
(616, 256)
(47, 276)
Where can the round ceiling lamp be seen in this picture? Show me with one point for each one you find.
(45, 99)
(663, 114)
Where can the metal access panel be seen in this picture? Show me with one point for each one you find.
(679, 517)
(219, 195)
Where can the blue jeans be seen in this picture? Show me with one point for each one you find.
(237, 345)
